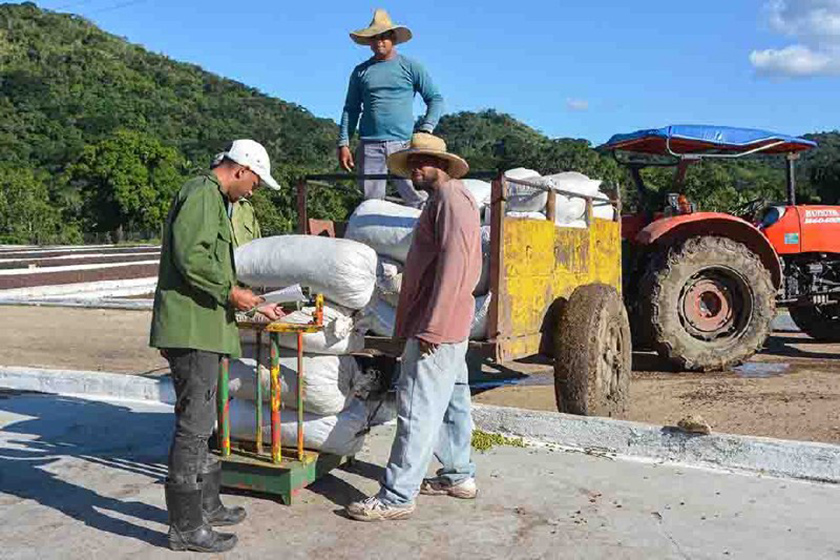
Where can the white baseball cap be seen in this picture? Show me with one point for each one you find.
(252, 155)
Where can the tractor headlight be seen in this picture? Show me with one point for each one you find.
(771, 216)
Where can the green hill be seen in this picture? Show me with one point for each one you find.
(87, 114)
(96, 134)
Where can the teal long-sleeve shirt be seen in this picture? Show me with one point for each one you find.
(382, 93)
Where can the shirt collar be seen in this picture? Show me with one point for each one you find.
(215, 180)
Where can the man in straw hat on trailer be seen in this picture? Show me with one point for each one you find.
(434, 316)
(193, 326)
(382, 91)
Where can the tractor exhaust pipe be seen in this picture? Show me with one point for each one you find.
(791, 179)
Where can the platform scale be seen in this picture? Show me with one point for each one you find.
(281, 471)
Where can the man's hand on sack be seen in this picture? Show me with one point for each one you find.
(272, 311)
(244, 299)
(345, 158)
(427, 348)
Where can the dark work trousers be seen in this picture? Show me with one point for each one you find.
(195, 374)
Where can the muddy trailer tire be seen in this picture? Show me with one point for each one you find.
(820, 323)
(592, 361)
(710, 303)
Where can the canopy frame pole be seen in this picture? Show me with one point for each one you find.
(791, 178)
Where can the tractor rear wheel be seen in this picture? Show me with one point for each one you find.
(710, 303)
(592, 359)
(819, 322)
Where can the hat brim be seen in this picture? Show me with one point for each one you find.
(363, 36)
(457, 167)
(269, 182)
(265, 178)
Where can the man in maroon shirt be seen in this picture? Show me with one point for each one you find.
(434, 315)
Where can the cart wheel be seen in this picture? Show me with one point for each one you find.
(592, 354)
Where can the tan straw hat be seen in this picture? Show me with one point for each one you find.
(381, 23)
(430, 145)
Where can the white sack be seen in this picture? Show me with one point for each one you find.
(389, 275)
(522, 198)
(580, 224)
(573, 209)
(568, 210)
(478, 331)
(328, 381)
(340, 335)
(572, 181)
(384, 226)
(605, 211)
(381, 318)
(481, 191)
(526, 215)
(335, 434)
(341, 269)
(483, 285)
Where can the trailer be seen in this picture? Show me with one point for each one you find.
(555, 292)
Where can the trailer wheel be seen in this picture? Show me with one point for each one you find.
(819, 322)
(592, 360)
(710, 302)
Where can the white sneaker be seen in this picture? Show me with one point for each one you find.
(465, 490)
(373, 509)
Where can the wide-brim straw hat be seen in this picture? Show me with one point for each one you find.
(381, 23)
(427, 144)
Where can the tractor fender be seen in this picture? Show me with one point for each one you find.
(675, 229)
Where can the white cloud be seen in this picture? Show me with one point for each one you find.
(577, 105)
(815, 24)
(813, 19)
(795, 60)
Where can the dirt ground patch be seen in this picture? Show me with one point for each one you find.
(791, 390)
(8, 282)
(85, 339)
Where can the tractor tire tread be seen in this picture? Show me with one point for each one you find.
(664, 278)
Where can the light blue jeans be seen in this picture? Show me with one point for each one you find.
(433, 416)
(372, 159)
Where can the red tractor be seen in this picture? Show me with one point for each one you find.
(702, 288)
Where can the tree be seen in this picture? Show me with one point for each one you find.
(126, 181)
(820, 168)
(26, 214)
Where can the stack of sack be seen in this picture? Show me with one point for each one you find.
(335, 415)
(570, 211)
(387, 228)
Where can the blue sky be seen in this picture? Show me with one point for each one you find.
(567, 68)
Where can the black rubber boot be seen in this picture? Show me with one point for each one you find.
(215, 513)
(187, 528)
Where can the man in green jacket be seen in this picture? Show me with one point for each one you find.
(193, 326)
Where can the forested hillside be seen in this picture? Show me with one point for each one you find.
(97, 133)
(492, 140)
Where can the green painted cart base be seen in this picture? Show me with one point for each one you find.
(246, 470)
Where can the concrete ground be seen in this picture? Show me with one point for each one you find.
(82, 478)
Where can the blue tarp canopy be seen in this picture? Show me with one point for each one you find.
(687, 139)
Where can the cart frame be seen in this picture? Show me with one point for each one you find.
(534, 264)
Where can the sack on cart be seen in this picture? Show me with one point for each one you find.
(339, 434)
(384, 226)
(341, 269)
(329, 382)
(339, 336)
